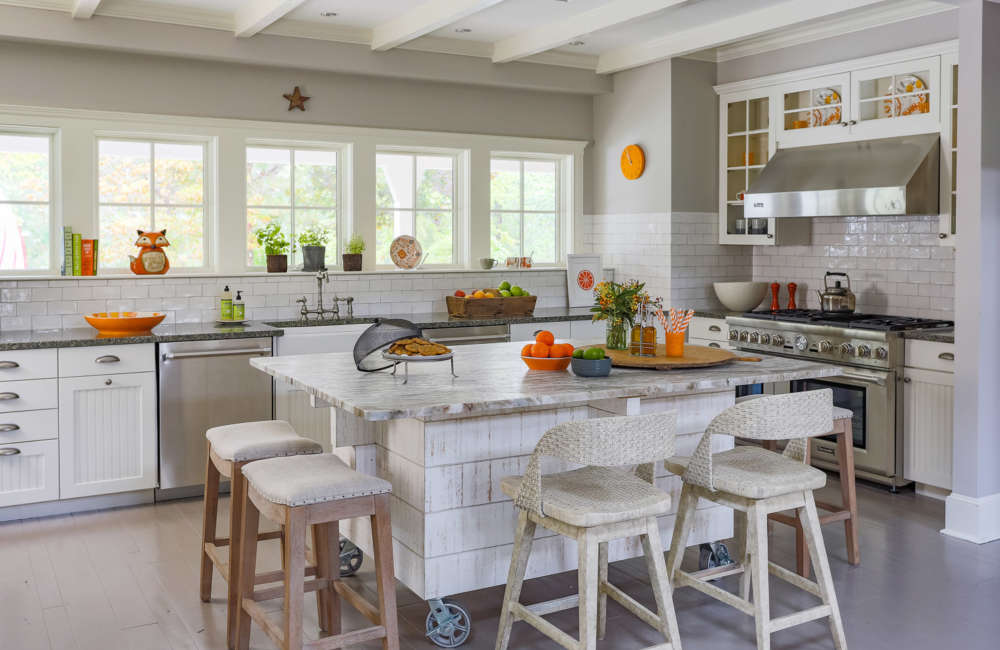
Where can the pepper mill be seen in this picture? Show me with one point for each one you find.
(775, 288)
(791, 295)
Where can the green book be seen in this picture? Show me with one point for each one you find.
(96, 242)
(77, 256)
(67, 266)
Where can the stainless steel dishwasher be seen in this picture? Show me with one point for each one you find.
(203, 384)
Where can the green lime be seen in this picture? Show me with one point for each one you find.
(504, 285)
(516, 291)
(578, 353)
(505, 293)
(593, 354)
(524, 292)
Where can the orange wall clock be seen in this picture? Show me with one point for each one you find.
(633, 162)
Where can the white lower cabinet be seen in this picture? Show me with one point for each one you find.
(928, 405)
(107, 434)
(562, 330)
(29, 472)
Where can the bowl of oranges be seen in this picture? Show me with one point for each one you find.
(546, 354)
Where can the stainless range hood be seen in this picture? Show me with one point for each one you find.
(891, 176)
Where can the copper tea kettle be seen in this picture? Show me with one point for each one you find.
(838, 299)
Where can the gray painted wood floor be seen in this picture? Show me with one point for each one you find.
(128, 578)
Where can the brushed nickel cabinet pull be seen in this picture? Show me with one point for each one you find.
(714, 328)
(107, 358)
(7, 428)
(7, 365)
(947, 356)
(9, 396)
(9, 451)
(907, 380)
(714, 345)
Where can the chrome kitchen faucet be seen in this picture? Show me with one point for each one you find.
(321, 311)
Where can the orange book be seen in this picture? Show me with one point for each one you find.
(87, 257)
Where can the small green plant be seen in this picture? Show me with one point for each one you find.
(272, 239)
(356, 245)
(315, 235)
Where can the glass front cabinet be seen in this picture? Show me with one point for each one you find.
(911, 96)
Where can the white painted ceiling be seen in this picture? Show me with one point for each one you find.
(578, 33)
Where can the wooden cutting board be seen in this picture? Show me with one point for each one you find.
(695, 356)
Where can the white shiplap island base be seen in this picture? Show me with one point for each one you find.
(444, 443)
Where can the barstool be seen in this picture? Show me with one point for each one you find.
(757, 482)
(315, 490)
(594, 505)
(230, 447)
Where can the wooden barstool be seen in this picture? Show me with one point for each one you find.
(231, 447)
(315, 490)
(847, 512)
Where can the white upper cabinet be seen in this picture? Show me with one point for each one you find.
(896, 99)
(813, 111)
(947, 227)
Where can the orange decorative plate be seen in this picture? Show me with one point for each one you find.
(124, 323)
(540, 363)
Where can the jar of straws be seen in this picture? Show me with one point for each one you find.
(675, 329)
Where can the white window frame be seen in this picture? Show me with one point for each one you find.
(55, 196)
(342, 210)
(459, 199)
(209, 191)
(564, 170)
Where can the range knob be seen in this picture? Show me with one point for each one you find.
(881, 354)
(801, 343)
(734, 335)
(777, 340)
(864, 351)
(765, 339)
(744, 336)
(824, 346)
(846, 350)
(754, 337)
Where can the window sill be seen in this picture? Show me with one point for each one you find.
(263, 274)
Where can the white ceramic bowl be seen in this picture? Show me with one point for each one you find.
(740, 296)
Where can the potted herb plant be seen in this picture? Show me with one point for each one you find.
(618, 304)
(313, 242)
(352, 258)
(275, 246)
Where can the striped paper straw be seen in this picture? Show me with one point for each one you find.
(663, 320)
(673, 320)
(686, 321)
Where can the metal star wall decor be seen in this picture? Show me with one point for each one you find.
(296, 99)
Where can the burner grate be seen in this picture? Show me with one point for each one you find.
(878, 322)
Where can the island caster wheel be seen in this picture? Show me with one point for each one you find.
(713, 555)
(448, 623)
(351, 558)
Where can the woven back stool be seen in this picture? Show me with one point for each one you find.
(230, 447)
(599, 503)
(317, 491)
(757, 482)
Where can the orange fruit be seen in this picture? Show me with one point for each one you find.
(479, 294)
(526, 350)
(546, 337)
(561, 350)
(540, 350)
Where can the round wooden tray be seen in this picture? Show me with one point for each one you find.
(695, 356)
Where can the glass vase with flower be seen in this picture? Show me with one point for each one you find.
(618, 304)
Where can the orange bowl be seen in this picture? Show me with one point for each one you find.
(124, 323)
(538, 363)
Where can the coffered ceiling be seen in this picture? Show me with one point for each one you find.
(600, 35)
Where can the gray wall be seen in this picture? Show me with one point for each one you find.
(694, 144)
(868, 42)
(43, 75)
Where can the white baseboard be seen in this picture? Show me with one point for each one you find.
(82, 504)
(932, 492)
(974, 519)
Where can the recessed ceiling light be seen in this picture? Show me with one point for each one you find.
(462, 30)
(328, 14)
(577, 43)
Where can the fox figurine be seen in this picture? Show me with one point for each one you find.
(152, 260)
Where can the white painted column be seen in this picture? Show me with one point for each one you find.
(973, 509)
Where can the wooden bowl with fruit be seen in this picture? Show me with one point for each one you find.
(505, 300)
(546, 354)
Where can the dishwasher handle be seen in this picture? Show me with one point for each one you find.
(485, 338)
(170, 356)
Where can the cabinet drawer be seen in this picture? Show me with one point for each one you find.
(27, 364)
(562, 330)
(930, 355)
(723, 345)
(29, 425)
(713, 329)
(29, 472)
(28, 395)
(106, 359)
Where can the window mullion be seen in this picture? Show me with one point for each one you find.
(521, 220)
(152, 186)
(291, 198)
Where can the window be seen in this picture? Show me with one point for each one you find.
(525, 209)
(295, 188)
(25, 202)
(415, 195)
(152, 185)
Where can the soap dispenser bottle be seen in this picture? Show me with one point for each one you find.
(226, 305)
(239, 307)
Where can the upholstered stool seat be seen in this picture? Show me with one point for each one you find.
(593, 496)
(295, 481)
(756, 473)
(257, 440)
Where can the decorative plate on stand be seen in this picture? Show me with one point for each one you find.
(406, 252)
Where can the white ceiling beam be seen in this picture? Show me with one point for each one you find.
(551, 36)
(258, 15)
(721, 32)
(424, 19)
(84, 8)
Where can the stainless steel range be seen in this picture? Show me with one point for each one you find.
(870, 350)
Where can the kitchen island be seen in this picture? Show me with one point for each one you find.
(445, 442)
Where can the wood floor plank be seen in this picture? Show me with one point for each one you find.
(59, 629)
(22, 623)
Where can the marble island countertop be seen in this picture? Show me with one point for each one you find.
(493, 379)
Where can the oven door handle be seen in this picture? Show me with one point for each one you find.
(865, 378)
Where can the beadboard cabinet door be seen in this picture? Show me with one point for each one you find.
(929, 404)
(29, 472)
(107, 434)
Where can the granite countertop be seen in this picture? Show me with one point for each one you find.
(946, 335)
(493, 379)
(441, 319)
(716, 313)
(86, 336)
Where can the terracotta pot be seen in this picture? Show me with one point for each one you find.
(352, 261)
(313, 258)
(277, 263)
